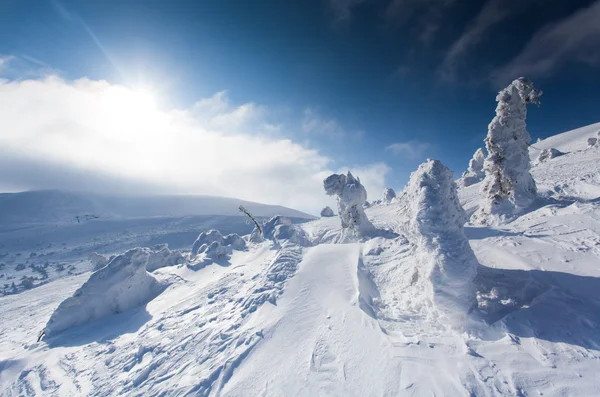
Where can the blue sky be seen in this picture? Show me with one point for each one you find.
(347, 78)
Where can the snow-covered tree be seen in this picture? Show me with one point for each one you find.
(508, 186)
(327, 212)
(474, 173)
(444, 259)
(388, 194)
(351, 195)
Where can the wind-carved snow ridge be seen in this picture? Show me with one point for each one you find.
(272, 282)
(508, 187)
(121, 285)
(351, 195)
(474, 173)
(446, 260)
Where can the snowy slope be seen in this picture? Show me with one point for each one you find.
(354, 319)
(45, 235)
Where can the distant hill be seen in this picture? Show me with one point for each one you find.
(55, 206)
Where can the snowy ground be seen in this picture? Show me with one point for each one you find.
(282, 319)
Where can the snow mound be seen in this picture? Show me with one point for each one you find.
(388, 195)
(547, 154)
(351, 195)
(475, 172)
(327, 212)
(591, 142)
(121, 285)
(208, 238)
(445, 258)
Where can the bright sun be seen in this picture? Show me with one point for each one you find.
(129, 106)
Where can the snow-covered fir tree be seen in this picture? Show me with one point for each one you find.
(351, 195)
(388, 194)
(508, 186)
(327, 212)
(474, 173)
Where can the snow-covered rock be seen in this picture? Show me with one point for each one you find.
(474, 173)
(547, 154)
(122, 284)
(508, 187)
(327, 212)
(436, 221)
(388, 194)
(351, 195)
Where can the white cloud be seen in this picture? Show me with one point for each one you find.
(314, 123)
(95, 135)
(412, 149)
(575, 38)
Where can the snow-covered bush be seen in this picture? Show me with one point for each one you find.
(327, 212)
(162, 256)
(98, 260)
(351, 196)
(508, 187)
(205, 239)
(445, 259)
(388, 194)
(280, 228)
(474, 173)
(547, 154)
(122, 284)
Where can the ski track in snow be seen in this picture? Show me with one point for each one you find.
(346, 319)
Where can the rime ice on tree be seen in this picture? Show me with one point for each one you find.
(327, 212)
(388, 194)
(508, 186)
(350, 197)
(437, 219)
(475, 172)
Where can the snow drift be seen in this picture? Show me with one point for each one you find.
(121, 285)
